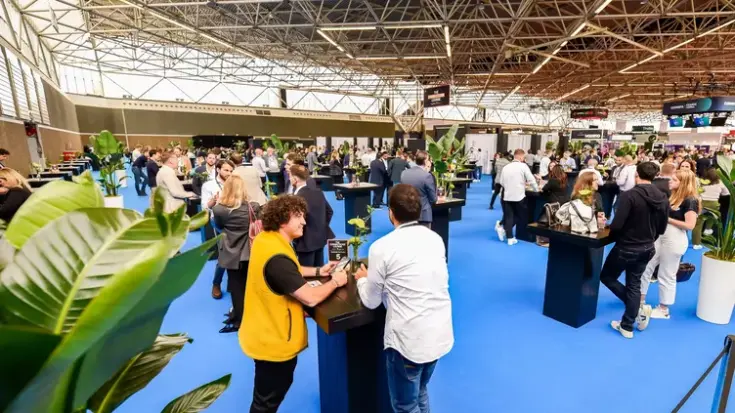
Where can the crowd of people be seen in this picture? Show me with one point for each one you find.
(660, 197)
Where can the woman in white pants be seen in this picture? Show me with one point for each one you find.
(685, 207)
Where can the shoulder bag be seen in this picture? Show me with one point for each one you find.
(255, 227)
(548, 215)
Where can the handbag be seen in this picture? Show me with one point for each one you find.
(256, 226)
(548, 215)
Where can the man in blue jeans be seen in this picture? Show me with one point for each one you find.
(409, 270)
(641, 217)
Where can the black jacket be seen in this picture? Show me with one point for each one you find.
(13, 200)
(318, 216)
(703, 164)
(378, 173)
(663, 185)
(641, 217)
(395, 168)
(197, 182)
(554, 192)
(151, 170)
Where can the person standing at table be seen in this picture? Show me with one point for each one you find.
(260, 165)
(252, 181)
(703, 164)
(543, 166)
(210, 194)
(151, 168)
(420, 178)
(408, 274)
(139, 177)
(592, 169)
(15, 191)
(310, 247)
(335, 168)
(175, 196)
(514, 178)
(641, 217)
(204, 173)
(379, 177)
(626, 179)
(312, 159)
(271, 160)
(396, 166)
(273, 329)
(232, 214)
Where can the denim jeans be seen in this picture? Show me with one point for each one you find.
(632, 260)
(407, 383)
(219, 273)
(140, 180)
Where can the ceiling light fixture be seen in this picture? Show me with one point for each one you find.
(420, 57)
(619, 97)
(449, 50)
(579, 29)
(540, 65)
(327, 38)
(446, 34)
(170, 20)
(710, 31)
(377, 58)
(572, 92)
(685, 42)
(629, 67)
(347, 28)
(602, 6)
(350, 56)
(413, 26)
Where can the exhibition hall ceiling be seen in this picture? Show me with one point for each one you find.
(537, 54)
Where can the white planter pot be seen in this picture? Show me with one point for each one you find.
(114, 202)
(716, 291)
(122, 177)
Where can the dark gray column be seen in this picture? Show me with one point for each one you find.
(284, 99)
(535, 143)
(371, 142)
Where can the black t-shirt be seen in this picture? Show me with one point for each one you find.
(689, 204)
(282, 275)
(140, 162)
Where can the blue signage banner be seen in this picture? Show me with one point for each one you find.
(710, 104)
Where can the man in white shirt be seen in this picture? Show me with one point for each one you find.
(514, 178)
(368, 157)
(167, 179)
(210, 195)
(408, 274)
(543, 168)
(271, 160)
(626, 176)
(592, 168)
(568, 161)
(259, 165)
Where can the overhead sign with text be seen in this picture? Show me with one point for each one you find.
(589, 113)
(436, 96)
(589, 134)
(710, 104)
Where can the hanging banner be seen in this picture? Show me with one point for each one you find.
(710, 104)
(436, 96)
(589, 113)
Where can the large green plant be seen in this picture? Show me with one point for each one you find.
(721, 243)
(280, 147)
(446, 154)
(83, 293)
(110, 151)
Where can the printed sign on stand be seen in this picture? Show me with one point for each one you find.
(337, 249)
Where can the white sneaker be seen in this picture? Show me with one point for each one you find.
(697, 247)
(625, 333)
(501, 232)
(660, 313)
(708, 232)
(644, 317)
(511, 241)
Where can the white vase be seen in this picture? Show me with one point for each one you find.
(114, 202)
(716, 291)
(122, 177)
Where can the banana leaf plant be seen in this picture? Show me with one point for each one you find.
(110, 151)
(446, 154)
(83, 293)
(721, 243)
(280, 147)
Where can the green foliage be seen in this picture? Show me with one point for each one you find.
(199, 398)
(361, 229)
(344, 149)
(269, 189)
(447, 150)
(83, 294)
(110, 152)
(240, 146)
(721, 243)
(280, 147)
(550, 146)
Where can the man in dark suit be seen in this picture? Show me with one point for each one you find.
(151, 168)
(703, 163)
(292, 160)
(420, 178)
(379, 177)
(310, 247)
(396, 167)
(204, 173)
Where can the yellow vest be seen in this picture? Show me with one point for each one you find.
(273, 326)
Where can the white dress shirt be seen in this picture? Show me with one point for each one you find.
(513, 179)
(367, 158)
(570, 162)
(209, 190)
(259, 165)
(626, 178)
(408, 273)
(600, 182)
(543, 168)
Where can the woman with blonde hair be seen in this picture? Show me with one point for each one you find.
(671, 245)
(585, 189)
(16, 191)
(233, 215)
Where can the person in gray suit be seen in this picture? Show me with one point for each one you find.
(396, 166)
(232, 217)
(420, 178)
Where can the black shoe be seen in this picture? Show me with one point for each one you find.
(491, 207)
(229, 328)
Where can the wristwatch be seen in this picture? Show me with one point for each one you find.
(317, 272)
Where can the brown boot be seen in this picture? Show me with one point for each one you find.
(216, 292)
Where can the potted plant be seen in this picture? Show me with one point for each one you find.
(36, 169)
(446, 156)
(717, 284)
(110, 152)
(96, 341)
(358, 240)
(280, 147)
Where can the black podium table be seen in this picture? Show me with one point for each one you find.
(440, 218)
(572, 273)
(351, 171)
(74, 170)
(37, 183)
(49, 174)
(471, 168)
(352, 373)
(278, 179)
(607, 192)
(459, 192)
(534, 205)
(357, 199)
(325, 182)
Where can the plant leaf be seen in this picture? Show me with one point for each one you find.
(137, 373)
(49, 391)
(435, 151)
(200, 398)
(22, 354)
(50, 202)
(199, 220)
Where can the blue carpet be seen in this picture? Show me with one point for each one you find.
(508, 357)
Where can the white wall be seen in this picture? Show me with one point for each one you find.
(693, 138)
(516, 141)
(549, 137)
(488, 143)
(321, 141)
(338, 141)
(362, 143)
